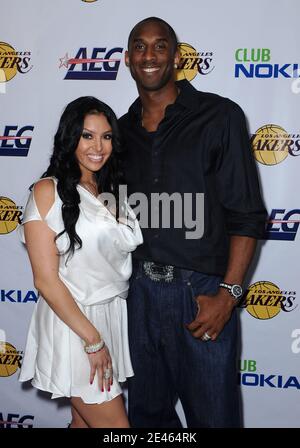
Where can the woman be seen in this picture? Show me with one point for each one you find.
(79, 251)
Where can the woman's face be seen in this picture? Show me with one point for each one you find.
(95, 144)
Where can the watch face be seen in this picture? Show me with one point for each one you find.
(237, 291)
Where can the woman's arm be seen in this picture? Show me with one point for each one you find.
(45, 262)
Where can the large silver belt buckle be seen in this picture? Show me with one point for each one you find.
(158, 272)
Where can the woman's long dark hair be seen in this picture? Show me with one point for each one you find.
(64, 165)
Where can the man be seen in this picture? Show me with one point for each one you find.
(184, 288)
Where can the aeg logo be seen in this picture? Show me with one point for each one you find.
(15, 421)
(101, 65)
(283, 225)
(16, 141)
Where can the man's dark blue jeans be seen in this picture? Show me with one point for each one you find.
(169, 363)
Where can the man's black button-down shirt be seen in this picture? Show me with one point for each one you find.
(201, 146)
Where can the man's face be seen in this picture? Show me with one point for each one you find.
(151, 56)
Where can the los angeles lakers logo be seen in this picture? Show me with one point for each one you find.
(264, 300)
(10, 359)
(7, 72)
(10, 215)
(13, 62)
(269, 144)
(272, 144)
(193, 62)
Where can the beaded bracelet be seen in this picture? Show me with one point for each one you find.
(93, 348)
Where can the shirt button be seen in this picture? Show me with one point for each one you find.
(155, 153)
(155, 180)
(156, 236)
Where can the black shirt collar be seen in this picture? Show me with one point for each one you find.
(186, 98)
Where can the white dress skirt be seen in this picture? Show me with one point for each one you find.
(97, 277)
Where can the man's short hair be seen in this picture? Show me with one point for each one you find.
(171, 31)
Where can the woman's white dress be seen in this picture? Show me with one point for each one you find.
(97, 277)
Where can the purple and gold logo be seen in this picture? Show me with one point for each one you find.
(193, 62)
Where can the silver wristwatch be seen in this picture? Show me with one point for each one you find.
(236, 291)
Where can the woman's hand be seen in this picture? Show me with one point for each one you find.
(101, 363)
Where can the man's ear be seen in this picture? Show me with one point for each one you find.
(127, 58)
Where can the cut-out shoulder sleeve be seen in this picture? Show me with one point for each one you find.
(53, 217)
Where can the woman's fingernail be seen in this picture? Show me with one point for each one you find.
(102, 390)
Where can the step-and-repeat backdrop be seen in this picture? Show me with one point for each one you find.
(52, 52)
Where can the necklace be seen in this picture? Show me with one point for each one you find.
(86, 187)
